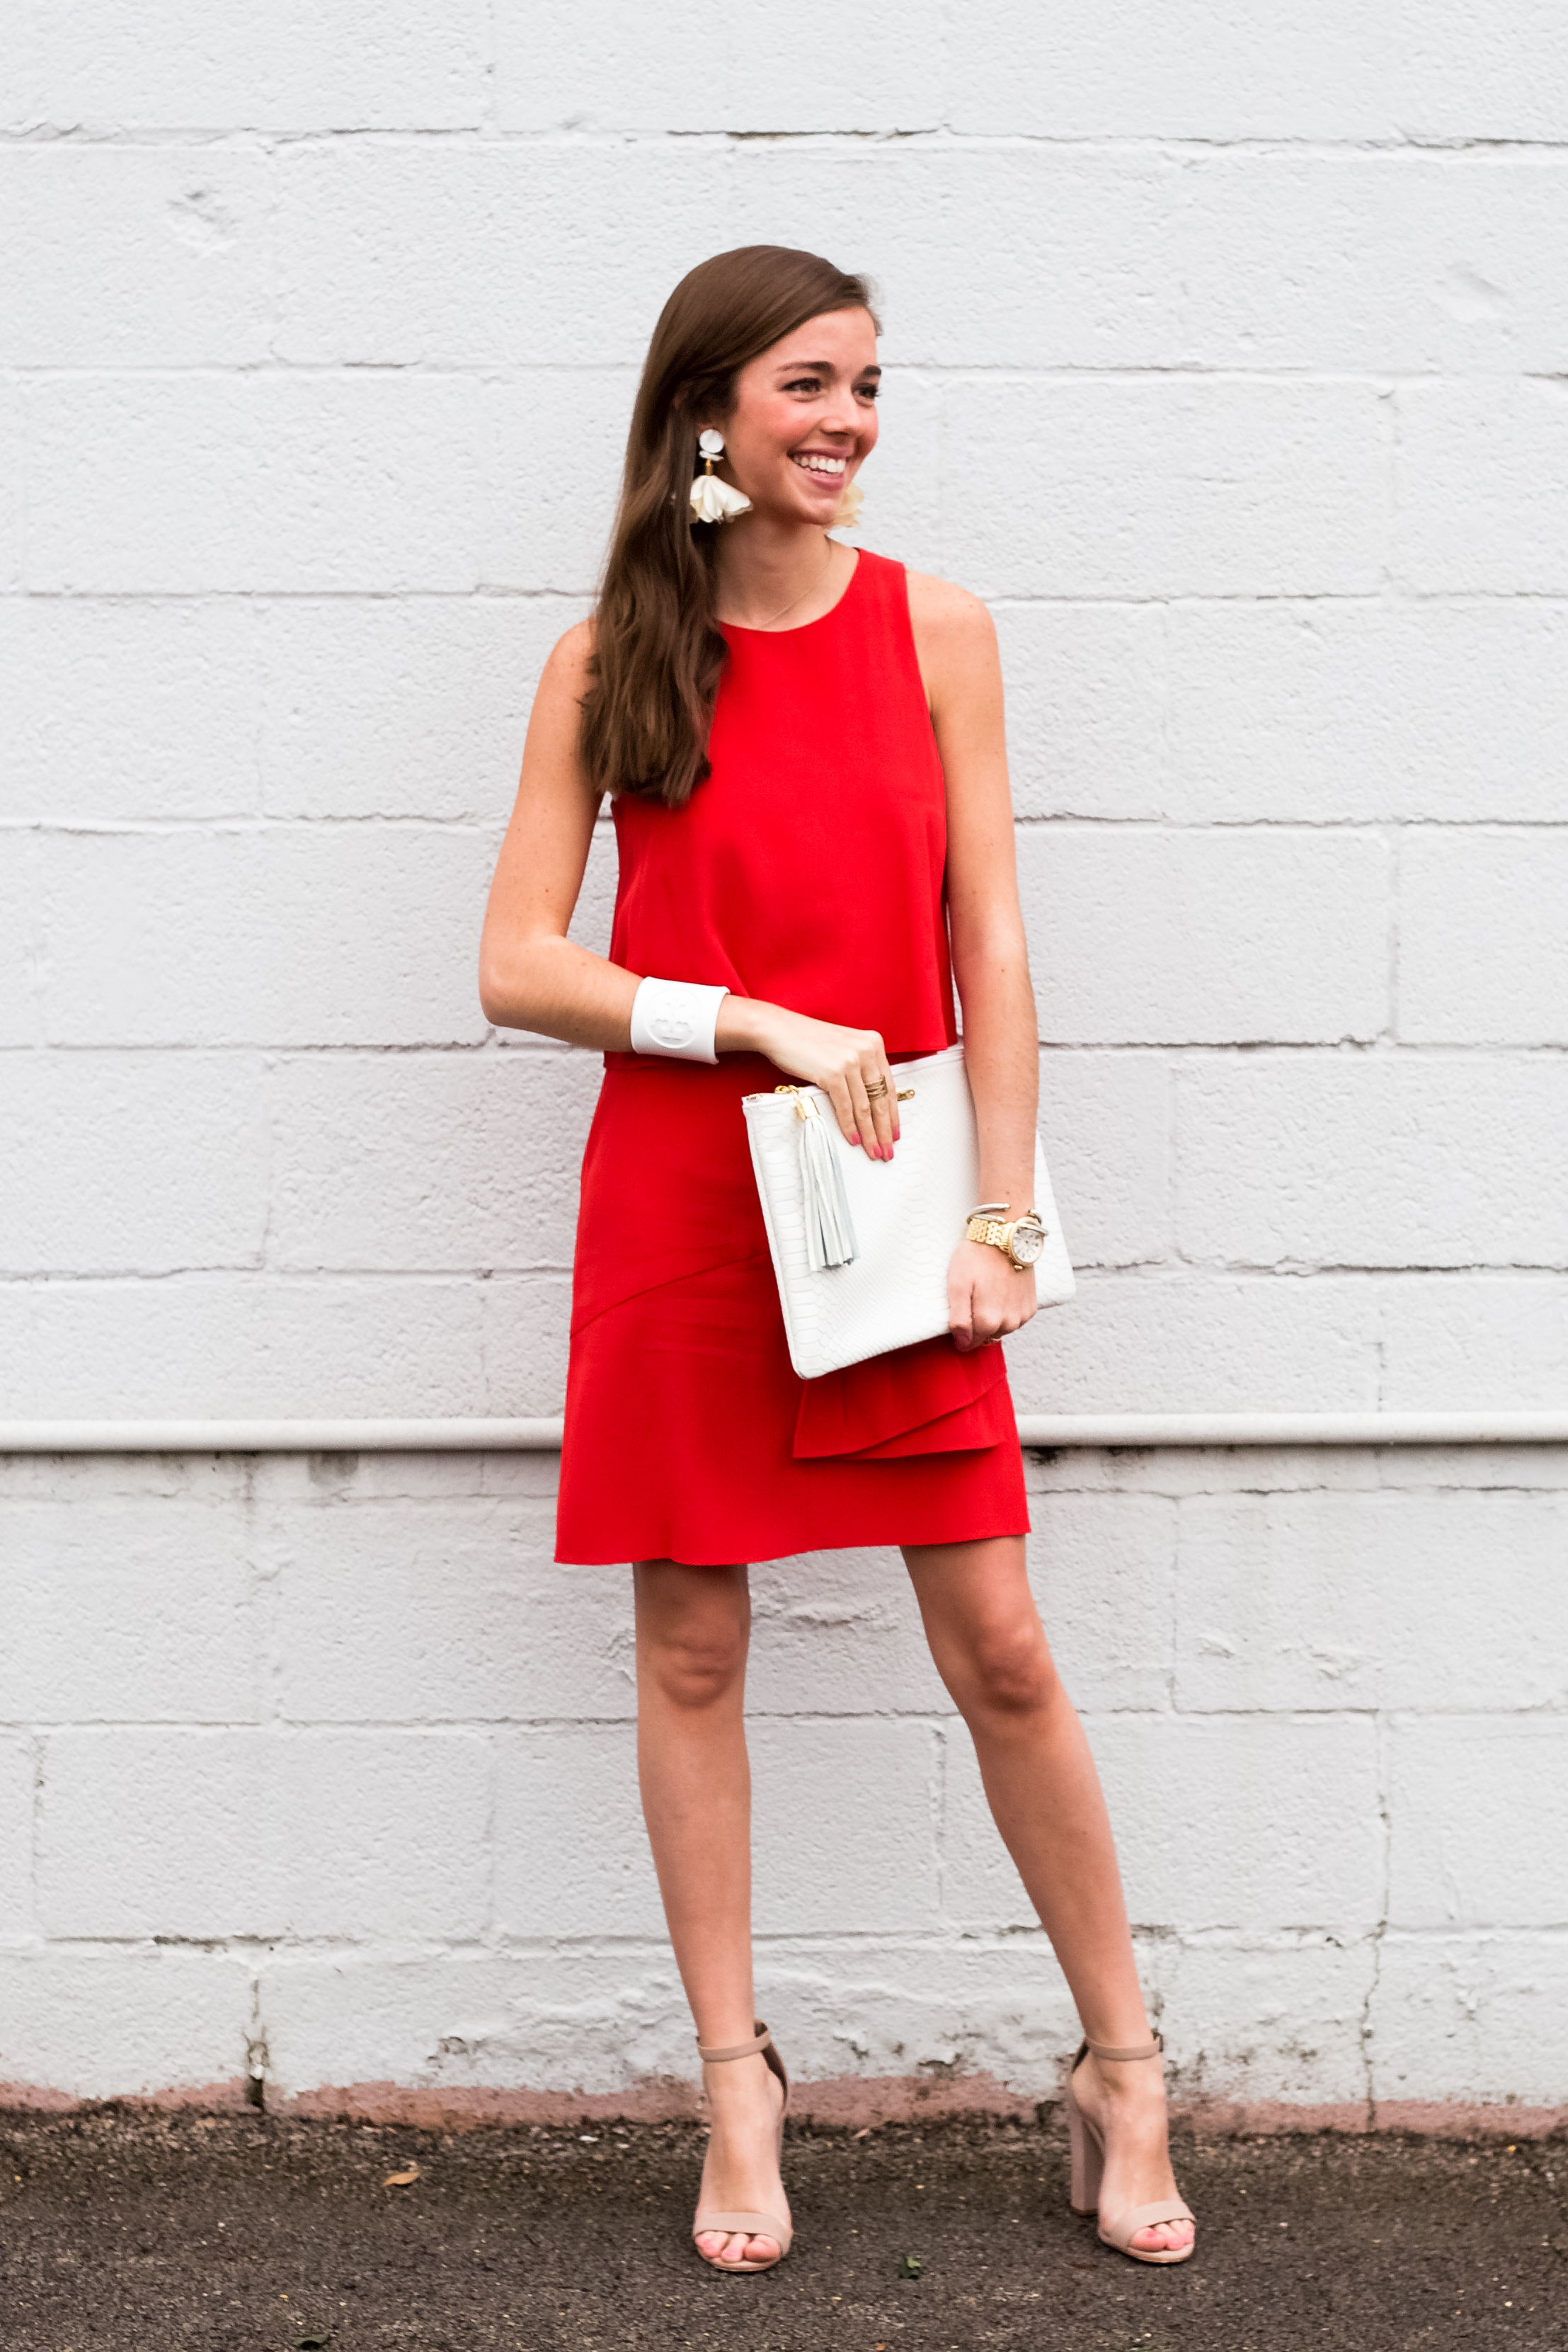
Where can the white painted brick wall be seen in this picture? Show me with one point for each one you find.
(1318, 712)
(164, 1596)
(1455, 988)
(177, 938)
(135, 256)
(1499, 1336)
(13, 419)
(349, 65)
(148, 2018)
(263, 1833)
(1241, 1646)
(1491, 2002)
(1226, 357)
(138, 1206)
(1457, 1787)
(1134, 72)
(18, 1773)
(1240, 935)
(1374, 1160)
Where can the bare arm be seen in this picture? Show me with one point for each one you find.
(955, 641)
(532, 976)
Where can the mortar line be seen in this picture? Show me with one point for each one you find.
(1407, 149)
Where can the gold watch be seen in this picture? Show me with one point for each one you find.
(1020, 1242)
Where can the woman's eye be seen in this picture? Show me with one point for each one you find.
(805, 383)
(867, 391)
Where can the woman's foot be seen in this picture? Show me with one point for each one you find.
(740, 2172)
(1128, 2104)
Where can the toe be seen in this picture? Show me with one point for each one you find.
(761, 2250)
(726, 2247)
(1163, 2237)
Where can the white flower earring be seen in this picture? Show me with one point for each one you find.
(713, 500)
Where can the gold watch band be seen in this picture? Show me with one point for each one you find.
(997, 1234)
(987, 1229)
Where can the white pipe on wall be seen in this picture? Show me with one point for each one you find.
(543, 1436)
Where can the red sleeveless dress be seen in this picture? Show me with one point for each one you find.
(808, 870)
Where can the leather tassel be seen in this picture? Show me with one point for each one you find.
(829, 1233)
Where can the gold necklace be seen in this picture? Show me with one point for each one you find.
(773, 621)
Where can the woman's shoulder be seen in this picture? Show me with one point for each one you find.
(946, 612)
(955, 636)
(570, 662)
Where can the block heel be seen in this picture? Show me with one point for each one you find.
(1088, 2157)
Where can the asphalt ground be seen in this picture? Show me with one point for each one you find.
(152, 2234)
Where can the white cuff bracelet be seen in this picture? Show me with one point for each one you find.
(676, 1017)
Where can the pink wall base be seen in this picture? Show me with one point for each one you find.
(206, 2098)
(848, 2100)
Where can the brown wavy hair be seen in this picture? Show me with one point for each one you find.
(658, 653)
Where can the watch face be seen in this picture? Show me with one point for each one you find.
(1028, 1243)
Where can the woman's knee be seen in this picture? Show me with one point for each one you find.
(697, 1668)
(1008, 1670)
(691, 1642)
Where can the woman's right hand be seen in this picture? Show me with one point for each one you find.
(845, 1062)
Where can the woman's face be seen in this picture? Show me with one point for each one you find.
(804, 417)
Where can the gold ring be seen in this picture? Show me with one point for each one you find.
(879, 1088)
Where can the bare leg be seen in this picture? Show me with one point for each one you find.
(990, 1650)
(692, 1626)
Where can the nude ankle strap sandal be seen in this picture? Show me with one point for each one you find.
(1087, 2145)
(756, 2225)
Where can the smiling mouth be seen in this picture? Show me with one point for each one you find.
(817, 461)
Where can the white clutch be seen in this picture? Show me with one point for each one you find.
(904, 1216)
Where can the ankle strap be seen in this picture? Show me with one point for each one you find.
(1156, 2050)
(761, 2041)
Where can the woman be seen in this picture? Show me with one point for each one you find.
(805, 751)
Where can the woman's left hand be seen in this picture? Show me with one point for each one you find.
(987, 1295)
